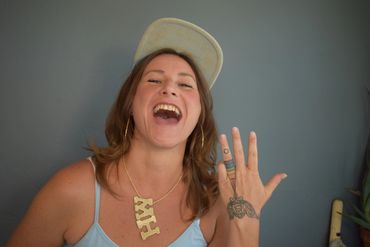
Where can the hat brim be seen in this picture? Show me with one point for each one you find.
(186, 38)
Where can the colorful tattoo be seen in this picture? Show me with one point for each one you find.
(238, 207)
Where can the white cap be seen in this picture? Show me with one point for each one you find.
(186, 38)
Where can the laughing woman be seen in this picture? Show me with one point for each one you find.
(155, 183)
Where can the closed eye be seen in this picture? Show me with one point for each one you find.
(186, 85)
(154, 81)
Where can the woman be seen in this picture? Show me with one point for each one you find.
(155, 183)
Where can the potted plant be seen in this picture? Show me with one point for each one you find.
(362, 216)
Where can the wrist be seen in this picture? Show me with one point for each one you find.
(244, 224)
(244, 232)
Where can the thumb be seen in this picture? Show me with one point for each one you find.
(274, 182)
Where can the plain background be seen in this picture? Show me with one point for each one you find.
(295, 71)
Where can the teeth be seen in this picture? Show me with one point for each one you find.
(167, 107)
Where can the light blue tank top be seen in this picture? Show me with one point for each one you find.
(96, 236)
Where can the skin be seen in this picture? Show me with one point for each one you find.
(63, 210)
(248, 186)
(170, 83)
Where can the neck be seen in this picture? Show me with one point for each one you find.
(153, 170)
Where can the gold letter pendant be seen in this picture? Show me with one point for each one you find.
(144, 215)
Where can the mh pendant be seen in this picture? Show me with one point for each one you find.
(145, 217)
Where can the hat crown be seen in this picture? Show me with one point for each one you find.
(186, 38)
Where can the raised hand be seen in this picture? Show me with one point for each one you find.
(242, 190)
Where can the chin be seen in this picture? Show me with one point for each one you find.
(169, 143)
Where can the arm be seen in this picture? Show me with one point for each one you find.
(51, 211)
(244, 197)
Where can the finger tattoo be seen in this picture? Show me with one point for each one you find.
(230, 169)
(238, 207)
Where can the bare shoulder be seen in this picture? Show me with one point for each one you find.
(69, 186)
(55, 206)
(71, 181)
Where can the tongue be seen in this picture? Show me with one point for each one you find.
(166, 116)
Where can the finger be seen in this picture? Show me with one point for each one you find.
(238, 151)
(274, 182)
(226, 153)
(227, 157)
(224, 183)
(252, 152)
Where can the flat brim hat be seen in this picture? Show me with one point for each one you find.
(185, 38)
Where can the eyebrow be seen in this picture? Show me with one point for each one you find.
(187, 74)
(154, 70)
(162, 72)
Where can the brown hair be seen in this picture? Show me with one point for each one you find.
(200, 158)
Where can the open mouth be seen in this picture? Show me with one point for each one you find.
(167, 112)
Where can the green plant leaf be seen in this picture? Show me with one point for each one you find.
(359, 221)
(366, 184)
(366, 207)
(355, 192)
(368, 153)
(363, 218)
(359, 212)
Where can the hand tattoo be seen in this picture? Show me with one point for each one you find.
(238, 207)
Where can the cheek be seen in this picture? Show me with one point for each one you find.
(141, 95)
(196, 105)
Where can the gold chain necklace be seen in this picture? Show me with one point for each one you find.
(144, 212)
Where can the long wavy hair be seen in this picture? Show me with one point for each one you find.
(200, 152)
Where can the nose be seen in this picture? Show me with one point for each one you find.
(169, 89)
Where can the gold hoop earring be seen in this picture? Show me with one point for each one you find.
(201, 128)
(126, 129)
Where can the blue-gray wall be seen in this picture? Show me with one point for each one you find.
(295, 71)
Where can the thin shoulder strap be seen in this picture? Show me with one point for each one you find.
(97, 194)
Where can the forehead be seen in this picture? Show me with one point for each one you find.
(169, 63)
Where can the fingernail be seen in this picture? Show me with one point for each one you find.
(284, 176)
